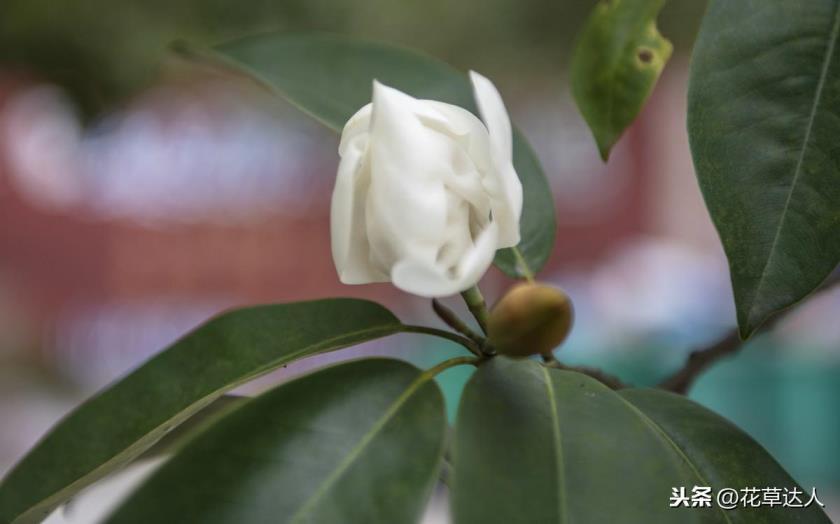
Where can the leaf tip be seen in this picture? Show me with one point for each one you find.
(604, 148)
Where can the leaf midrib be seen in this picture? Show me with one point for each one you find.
(562, 510)
(54, 500)
(829, 54)
(679, 451)
(360, 447)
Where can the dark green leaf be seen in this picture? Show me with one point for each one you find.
(330, 77)
(617, 60)
(564, 448)
(177, 437)
(124, 420)
(723, 455)
(356, 443)
(763, 122)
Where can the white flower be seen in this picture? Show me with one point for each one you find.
(426, 193)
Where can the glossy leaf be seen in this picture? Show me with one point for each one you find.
(128, 417)
(722, 454)
(564, 448)
(763, 122)
(330, 77)
(175, 439)
(360, 442)
(617, 60)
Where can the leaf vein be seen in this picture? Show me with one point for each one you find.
(829, 54)
(360, 447)
(562, 510)
(679, 451)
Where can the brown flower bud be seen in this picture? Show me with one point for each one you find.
(530, 319)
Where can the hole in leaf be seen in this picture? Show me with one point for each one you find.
(645, 55)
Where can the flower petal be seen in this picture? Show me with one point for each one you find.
(436, 281)
(508, 195)
(358, 124)
(407, 203)
(495, 116)
(350, 247)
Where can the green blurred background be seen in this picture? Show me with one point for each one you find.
(103, 51)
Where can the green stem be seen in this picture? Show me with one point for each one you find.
(452, 320)
(524, 268)
(608, 380)
(477, 306)
(451, 363)
(454, 337)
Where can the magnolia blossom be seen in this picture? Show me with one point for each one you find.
(426, 193)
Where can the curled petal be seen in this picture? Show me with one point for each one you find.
(509, 193)
(358, 124)
(406, 208)
(435, 280)
(495, 116)
(350, 246)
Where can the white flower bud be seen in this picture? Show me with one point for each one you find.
(426, 193)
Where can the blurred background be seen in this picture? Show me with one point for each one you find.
(139, 196)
